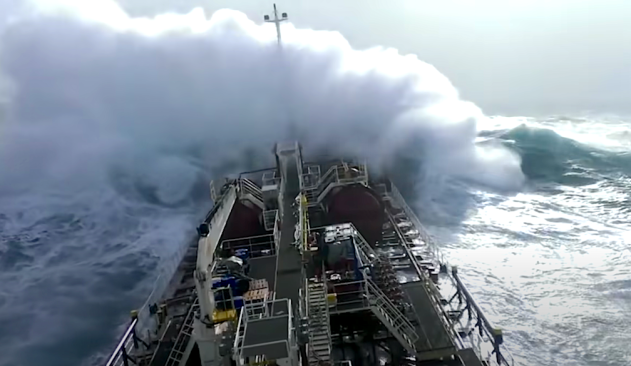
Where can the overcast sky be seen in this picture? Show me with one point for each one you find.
(528, 57)
(510, 56)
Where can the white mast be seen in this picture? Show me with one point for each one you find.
(284, 80)
(276, 21)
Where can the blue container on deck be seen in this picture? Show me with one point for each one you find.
(228, 281)
(237, 286)
(243, 253)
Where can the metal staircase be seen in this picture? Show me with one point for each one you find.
(370, 256)
(183, 345)
(391, 317)
(313, 195)
(336, 175)
(248, 190)
(319, 330)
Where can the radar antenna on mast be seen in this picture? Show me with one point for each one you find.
(276, 21)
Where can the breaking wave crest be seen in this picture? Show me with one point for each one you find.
(114, 125)
(548, 156)
(104, 88)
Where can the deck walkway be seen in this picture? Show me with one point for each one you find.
(289, 264)
(434, 342)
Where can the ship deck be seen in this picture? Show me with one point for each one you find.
(469, 358)
(434, 341)
(283, 274)
(406, 265)
(289, 264)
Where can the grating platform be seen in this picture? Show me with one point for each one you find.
(267, 336)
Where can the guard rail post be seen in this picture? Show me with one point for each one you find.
(498, 340)
(134, 316)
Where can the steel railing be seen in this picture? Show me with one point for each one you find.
(130, 343)
(503, 357)
(363, 294)
(340, 174)
(269, 219)
(125, 348)
(247, 187)
(400, 326)
(277, 230)
(395, 195)
(258, 246)
(271, 178)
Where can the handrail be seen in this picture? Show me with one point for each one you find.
(281, 197)
(218, 203)
(266, 243)
(239, 336)
(332, 176)
(406, 326)
(313, 174)
(245, 238)
(364, 247)
(121, 349)
(129, 340)
(316, 190)
(433, 293)
(246, 316)
(368, 295)
(427, 239)
(271, 181)
(503, 357)
(396, 322)
(303, 223)
(417, 267)
(357, 290)
(318, 313)
(246, 186)
(269, 219)
(188, 320)
(496, 339)
(277, 230)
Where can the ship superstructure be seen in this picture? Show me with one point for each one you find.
(311, 263)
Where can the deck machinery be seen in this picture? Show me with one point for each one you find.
(288, 269)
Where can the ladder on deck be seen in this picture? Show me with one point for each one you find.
(319, 329)
(392, 318)
(183, 345)
(313, 194)
(248, 190)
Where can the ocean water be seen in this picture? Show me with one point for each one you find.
(550, 264)
(112, 128)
